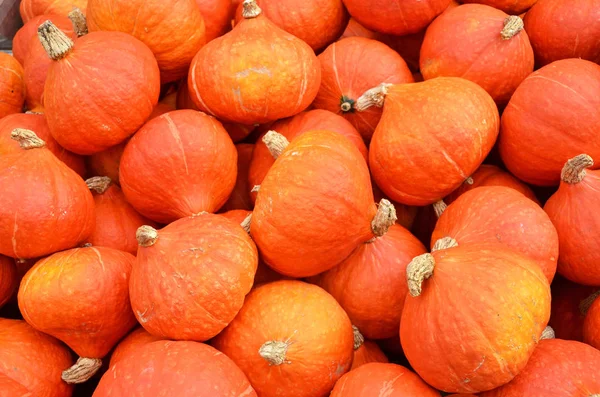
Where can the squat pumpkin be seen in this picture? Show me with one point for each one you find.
(12, 85)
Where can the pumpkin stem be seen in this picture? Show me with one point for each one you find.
(469, 181)
(444, 243)
(548, 333)
(512, 26)
(276, 143)
(146, 236)
(384, 218)
(250, 9)
(585, 304)
(86, 245)
(79, 22)
(439, 208)
(274, 352)
(417, 271)
(98, 184)
(373, 97)
(359, 339)
(574, 169)
(255, 189)
(246, 223)
(27, 139)
(82, 370)
(56, 43)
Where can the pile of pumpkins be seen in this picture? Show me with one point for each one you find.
(301, 198)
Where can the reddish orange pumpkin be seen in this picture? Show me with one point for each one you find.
(190, 169)
(107, 162)
(160, 109)
(10, 388)
(89, 75)
(136, 339)
(32, 8)
(355, 29)
(365, 351)
(508, 6)
(351, 66)
(566, 318)
(217, 17)
(539, 117)
(304, 340)
(12, 85)
(21, 43)
(9, 279)
(240, 197)
(591, 326)
(254, 74)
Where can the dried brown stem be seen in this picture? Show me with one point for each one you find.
(384, 218)
(359, 339)
(146, 236)
(373, 97)
(27, 139)
(444, 243)
(246, 223)
(574, 169)
(417, 271)
(274, 352)
(439, 208)
(98, 184)
(82, 370)
(584, 306)
(56, 43)
(512, 26)
(250, 9)
(276, 143)
(547, 333)
(79, 22)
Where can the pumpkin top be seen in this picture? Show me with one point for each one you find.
(512, 26)
(82, 370)
(417, 271)
(439, 208)
(574, 169)
(98, 184)
(384, 218)
(27, 139)
(372, 97)
(250, 9)
(246, 223)
(55, 42)
(275, 142)
(548, 333)
(585, 304)
(274, 352)
(444, 243)
(146, 236)
(79, 22)
(359, 339)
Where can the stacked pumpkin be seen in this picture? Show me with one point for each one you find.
(283, 198)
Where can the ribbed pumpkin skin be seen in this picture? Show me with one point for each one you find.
(352, 66)
(540, 117)
(217, 16)
(184, 369)
(512, 310)
(438, 131)
(591, 325)
(557, 368)
(21, 43)
(9, 279)
(173, 30)
(501, 214)
(85, 91)
(107, 162)
(567, 319)
(12, 85)
(370, 284)
(318, 196)
(368, 352)
(136, 339)
(561, 29)
(254, 74)
(33, 8)
(96, 289)
(512, 7)
(177, 165)
(466, 42)
(11, 388)
(381, 379)
(319, 332)
(240, 196)
(39, 358)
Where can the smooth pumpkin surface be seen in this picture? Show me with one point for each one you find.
(11, 388)
(366, 351)
(32, 8)
(240, 196)
(21, 43)
(217, 16)
(509, 6)
(567, 318)
(12, 85)
(177, 165)
(290, 338)
(137, 339)
(106, 162)
(9, 279)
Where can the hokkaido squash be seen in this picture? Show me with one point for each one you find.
(370, 284)
(303, 338)
(365, 351)
(45, 206)
(254, 74)
(96, 73)
(539, 117)
(217, 16)
(351, 66)
(136, 339)
(38, 358)
(178, 164)
(96, 289)
(21, 43)
(512, 309)
(481, 44)
(107, 162)
(10, 388)
(240, 196)
(9, 280)
(390, 380)
(184, 369)
(508, 6)
(299, 206)
(566, 318)
(174, 30)
(438, 131)
(12, 85)
(32, 8)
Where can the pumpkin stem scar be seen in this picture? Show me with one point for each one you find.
(574, 169)
(347, 104)
(274, 352)
(146, 236)
(384, 218)
(359, 339)
(417, 271)
(250, 9)
(98, 184)
(512, 26)
(27, 139)
(82, 370)
(276, 143)
(55, 42)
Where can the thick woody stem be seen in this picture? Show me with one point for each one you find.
(574, 169)
(79, 22)
(246, 223)
(276, 143)
(98, 184)
(255, 189)
(439, 208)
(547, 333)
(146, 236)
(384, 218)
(469, 181)
(82, 370)
(56, 43)
(373, 97)
(512, 26)
(274, 352)
(250, 9)
(584, 306)
(359, 339)
(444, 243)
(417, 271)
(27, 139)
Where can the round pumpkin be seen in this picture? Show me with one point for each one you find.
(218, 15)
(38, 359)
(94, 283)
(12, 85)
(183, 369)
(566, 318)
(351, 66)
(32, 8)
(254, 74)
(290, 338)
(481, 44)
(190, 169)
(9, 280)
(21, 43)
(365, 351)
(240, 196)
(107, 162)
(45, 207)
(89, 75)
(539, 117)
(591, 326)
(508, 6)
(136, 339)
(432, 136)
(485, 287)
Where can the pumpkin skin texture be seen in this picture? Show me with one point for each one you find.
(467, 42)
(512, 7)
(254, 74)
(186, 369)
(21, 43)
(423, 137)
(194, 166)
(453, 296)
(561, 29)
(136, 339)
(350, 67)
(382, 379)
(107, 162)
(591, 325)
(32, 8)
(217, 16)
(370, 284)
(567, 319)
(85, 110)
(539, 116)
(215, 258)
(45, 206)
(9, 279)
(10, 388)
(40, 359)
(240, 196)
(309, 333)
(174, 31)
(12, 86)
(365, 351)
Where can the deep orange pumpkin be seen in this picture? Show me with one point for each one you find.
(539, 117)
(12, 85)
(355, 29)
(88, 83)
(107, 162)
(32, 8)
(254, 74)
(566, 318)
(351, 66)
(240, 196)
(136, 339)
(591, 325)
(160, 109)
(9, 279)
(432, 136)
(508, 6)
(511, 310)
(10, 388)
(190, 169)
(365, 351)
(217, 17)
(304, 340)
(27, 33)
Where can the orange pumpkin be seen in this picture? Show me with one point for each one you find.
(591, 326)
(254, 74)
(351, 66)
(365, 351)
(566, 318)
(355, 29)
(10, 388)
(9, 280)
(32, 8)
(508, 6)
(12, 85)
(96, 289)
(190, 169)
(107, 162)
(304, 340)
(240, 196)
(136, 339)
(160, 109)
(21, 43)
(89, 75)
(217, 17)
